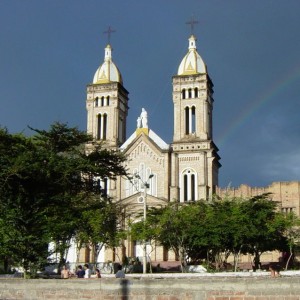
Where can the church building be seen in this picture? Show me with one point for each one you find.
(185, 170)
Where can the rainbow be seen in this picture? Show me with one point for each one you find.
(266, 96)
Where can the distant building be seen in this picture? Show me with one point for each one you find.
(287, 194)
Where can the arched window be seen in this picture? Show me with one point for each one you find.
(151, 181)
(190, 119)
(121, 131)
(193, 187)
(196, 93)
(190, 93)
(105, 186)
(188, 186)
(193, 127)
(185, 188)
(104, 127)
(142, 177)
(96, 101)
(101, 127)
(187, 120)
(101, 185)
(107, 101)
(102, 101)
(183, 94)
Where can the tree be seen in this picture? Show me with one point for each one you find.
(198, 231)
(146, 230)
(180, 229)
(265, 226)
(47, 183)
(238, 230)
(100, 226)
(22, 210)
(292, 235)
(221, 230)
(213, 230)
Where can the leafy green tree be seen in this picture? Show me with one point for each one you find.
(100, 226)
(198, 232)
(22, 210)
(219, 224)
(180, 229)
(47, 184)
(213, 230)
(238, 227)
(292, 235)
(265, 226)
(146, 230)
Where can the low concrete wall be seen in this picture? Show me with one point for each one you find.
(135, 288)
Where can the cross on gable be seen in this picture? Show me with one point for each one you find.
(109, 31)
(192, 23)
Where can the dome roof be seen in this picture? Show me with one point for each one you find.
(192, 63)
(108, 71)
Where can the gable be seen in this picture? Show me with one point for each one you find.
(152, 137)
(134, 207)
(144, 148)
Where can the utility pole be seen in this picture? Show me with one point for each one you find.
(146, 185)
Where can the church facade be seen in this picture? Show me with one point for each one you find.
(159, 173)
(185, 170)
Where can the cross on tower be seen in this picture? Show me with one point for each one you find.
(192, 23)
(109, 31)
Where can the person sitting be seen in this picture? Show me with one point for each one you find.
(98, 275)
(87, 273)
(80, 272)
(65, 273)
(120, 273)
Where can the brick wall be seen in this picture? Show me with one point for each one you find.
(134, 288)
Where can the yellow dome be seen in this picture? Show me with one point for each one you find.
(108, 71)
(192, 63)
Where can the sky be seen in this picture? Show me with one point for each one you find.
(50, 50)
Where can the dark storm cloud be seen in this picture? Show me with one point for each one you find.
(51, 49)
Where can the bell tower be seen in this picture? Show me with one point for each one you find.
(107, 104)
(192, 98)
(195, 160)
